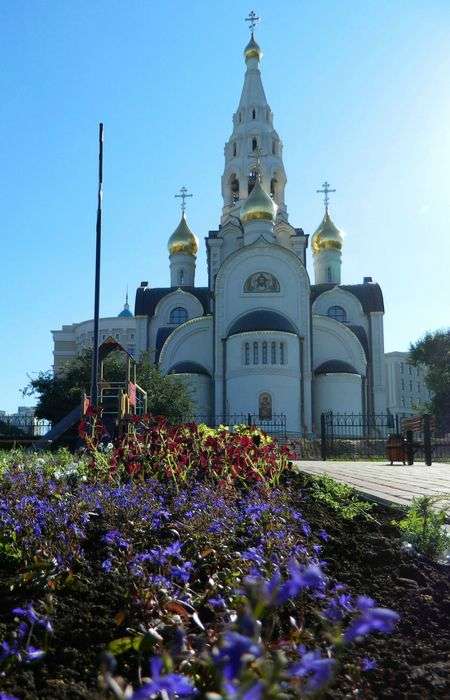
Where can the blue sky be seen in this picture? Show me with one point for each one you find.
(360, 94)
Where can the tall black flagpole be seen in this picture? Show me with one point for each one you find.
(95, 357)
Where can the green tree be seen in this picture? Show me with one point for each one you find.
(57, 394)
(433, 353)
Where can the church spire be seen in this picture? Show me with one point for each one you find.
(253, 131)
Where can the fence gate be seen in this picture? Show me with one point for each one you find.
(356, 435)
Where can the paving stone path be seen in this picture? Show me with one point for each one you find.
(383, 482)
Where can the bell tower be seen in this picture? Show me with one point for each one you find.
(253, 133)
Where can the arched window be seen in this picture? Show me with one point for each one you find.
(338, 313)
(180, 277)
(273, 187)
(329, 274)
(264, 353)
(247, 353)
(234, 188)
(254, 144)
(253, 113)
(282, 359)
(274, 147)
(240, 117)
(255, 354)
(178, 315)
(273, 353)
(234, 149)
(252, 180)
(265, 407)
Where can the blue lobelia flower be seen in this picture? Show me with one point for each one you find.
(174, 684)
(317, 670)
(30, 614)
(301, 578)
(368, 664)
(5, 696)
(182, 572)
(230, 657)
(372, 619)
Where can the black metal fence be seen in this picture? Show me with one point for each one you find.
(363, 436)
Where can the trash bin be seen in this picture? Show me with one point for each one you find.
(396, 448)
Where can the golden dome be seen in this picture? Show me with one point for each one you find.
(183, 240)
(327, 236)
(252, 50)
(259, 205)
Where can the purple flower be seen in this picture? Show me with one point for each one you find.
(33, 654)
(372, 620)
(217, 602)
(230, 657)
(324, 536)
(182, 572)
(114, 537)
(317, 670)
(300, 578)
(338, 607)
(107, 565)
(173, 684)
(368, 664)
(5, 696)
(32, 617)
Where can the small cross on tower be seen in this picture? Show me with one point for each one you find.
(183, 196)
(325, 191)
(257, 155)
(252, 20)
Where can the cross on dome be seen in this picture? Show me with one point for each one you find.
(325, 191)
(183, 196)
(252, 20)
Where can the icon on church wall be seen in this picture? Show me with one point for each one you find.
(265, 407)
(262, 282)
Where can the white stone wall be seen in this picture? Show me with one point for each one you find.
(161, 317)
(340, 393)
(190, 342)
(199, 389)
(246, 382)
(292, 302)
(334, 341)
(348, 301)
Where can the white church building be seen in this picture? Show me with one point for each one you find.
(262, 337)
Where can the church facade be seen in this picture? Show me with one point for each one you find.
(263, 337)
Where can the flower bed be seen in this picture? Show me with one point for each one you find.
(201, 583)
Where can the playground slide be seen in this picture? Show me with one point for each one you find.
(58, 429)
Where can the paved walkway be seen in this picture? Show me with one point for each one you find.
(386, 484)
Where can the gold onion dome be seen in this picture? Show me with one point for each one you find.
(259, 205)
(183, 240)
(327, 236)
(253, 50)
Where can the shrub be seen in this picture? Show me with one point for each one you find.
(424, 526)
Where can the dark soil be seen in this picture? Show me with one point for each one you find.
(413, 663)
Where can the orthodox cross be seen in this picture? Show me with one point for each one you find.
(257, 155)
(184, 194)
(252, 20)
(325, 191)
